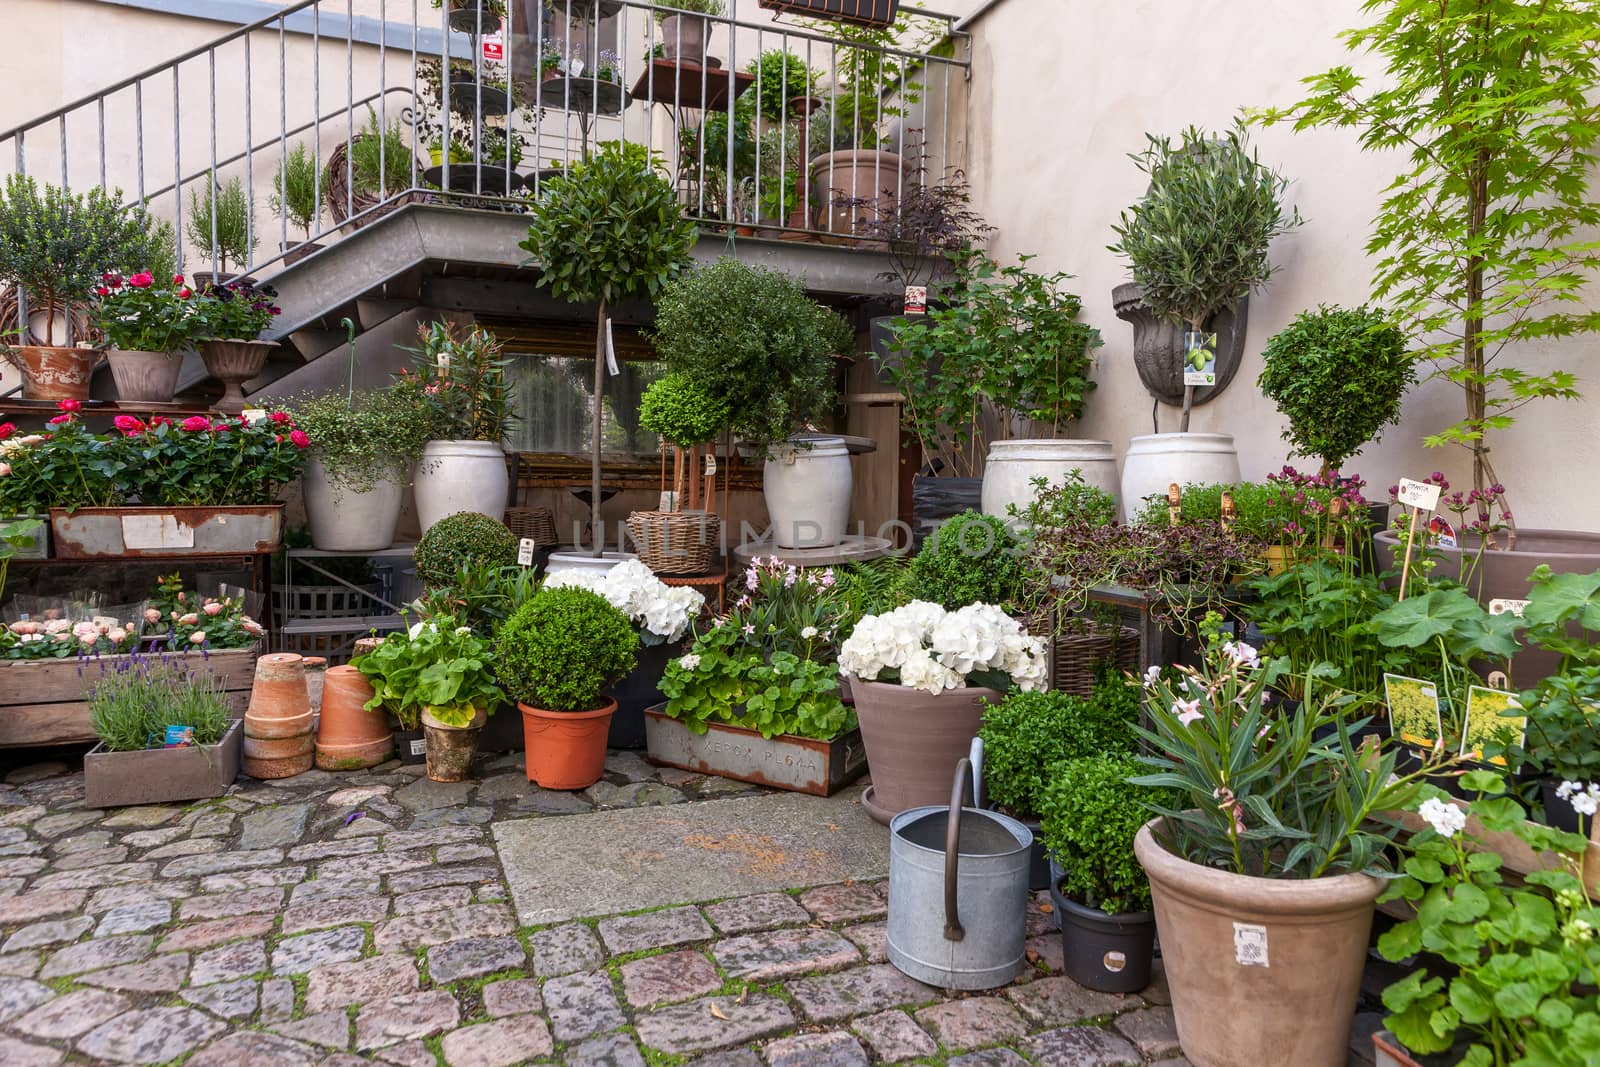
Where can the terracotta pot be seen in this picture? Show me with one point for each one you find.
(282, 757)
(349, 736)
(450, 748)
(914, 740)
(566, 749)
(280, 706)
(868, 181)
(55, 373)
(145, 377)
(234, 362)
(1262, 970)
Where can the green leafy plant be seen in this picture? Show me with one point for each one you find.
(782, 80)
(970, 559)
(681, 411)
(1089, 815)
(380, 160)
(753, 338)
(1317, 615)
(71, 468)
(872, 83)
(871, 587)
(143, 313)
(465, 537)
(489, 7)
(1074, 500)
(436, 666)
(132, 704)
(1198, 240)
(1290, 510)
(221, 223)
(295, 189)
(481, 595)
(563, 649)
(1563, 742)
(459, 381)
(1485, 238)
(1519, 988)
(1338, 375)
(366, 439)
(1028, 733)
(55, 245)
(1006, 336)
(239, 310)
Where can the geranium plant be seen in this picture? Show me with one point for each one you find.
(141, 313)
(435, 666)
(661, 612)
(923, 646)
(234, 311)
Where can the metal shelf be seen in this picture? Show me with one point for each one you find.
(345, 625)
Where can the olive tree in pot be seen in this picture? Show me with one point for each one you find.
(356, 474)
(607, 228)
(1485, 239)
(557, 656)
(459, 381)
(1197, 243)
(1261, 872)
(755, 341)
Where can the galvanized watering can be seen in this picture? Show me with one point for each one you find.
(958, 893)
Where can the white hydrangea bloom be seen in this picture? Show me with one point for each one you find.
(633, 589)
(935, 650)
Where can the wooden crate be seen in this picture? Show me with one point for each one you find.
(42, 702)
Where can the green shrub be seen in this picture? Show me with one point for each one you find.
(1028, 733)
(132, 705)
(680, 411)
(463, 537)
(221, 223)
(563, 649)
(1090, 817)
(971, 559)
(1073, 500)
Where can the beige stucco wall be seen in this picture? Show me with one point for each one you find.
(1063, 90)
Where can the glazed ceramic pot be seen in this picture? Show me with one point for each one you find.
(52, 373)
(914, 739)
(1011, 467)
(343, 519)
(144, 377)
(349, 736)
(566, 749)
(461, 476)
(234, 362)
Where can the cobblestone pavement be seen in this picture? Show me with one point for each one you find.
(341, 919)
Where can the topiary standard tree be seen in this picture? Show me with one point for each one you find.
(1198, 239)
(608, 228)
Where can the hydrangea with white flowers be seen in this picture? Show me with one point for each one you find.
(923, 646)
(661, 611)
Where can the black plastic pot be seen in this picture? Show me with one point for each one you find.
(1109, 953)
(1560, 813)
(934, 499)
(410, 746)
(639, 690)
(503, 731)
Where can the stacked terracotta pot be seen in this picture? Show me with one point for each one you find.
(277, 725)
(349, 737)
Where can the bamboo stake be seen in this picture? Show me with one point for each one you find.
(1411, 538)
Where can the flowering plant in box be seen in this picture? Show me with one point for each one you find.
(661, 612)
(61, 638)
(924, 646)
(203, 463)
(139, 313)
(188, 620)
(66, 466)
(234, 311)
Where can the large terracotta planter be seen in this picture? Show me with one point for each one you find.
(461, 476)
(914, 740)
(566, 749)
(144, 377)
(234, 362)
(1262, 970)
(349, 736)
(450, 749)
(684, 37)
(855, 184)
(277, 725)
(54, 373)
(345, 520)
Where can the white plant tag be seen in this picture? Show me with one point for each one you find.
(1423, 495)
(611, 352)
(254, 415)
(1250, 944)
(419, 746)
(669, 501)
(575, 67)
(711, 465)
(1501, 605)
(525, 549)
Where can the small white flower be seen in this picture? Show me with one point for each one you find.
(1243, 655)
(808, 632)
(1152, 675)
(689, 662)
(1588, 802)
(1187, 711)
(1446, 819)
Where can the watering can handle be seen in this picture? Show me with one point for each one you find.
(953, 930)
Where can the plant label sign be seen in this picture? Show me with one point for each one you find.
(711, 465)
(1421, 495)
(1504, 605)
(1413, 710)
(525, 550)
(1490, 717)
(1250, 945)
(254, 415)
(494, 47)
(1199, 359)
(669, 501)
(611, 352)
(916, 300)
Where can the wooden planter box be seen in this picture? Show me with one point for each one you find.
(162, 775)
(798, 764)
(42, 702)
(1518, 857)
(97, 533)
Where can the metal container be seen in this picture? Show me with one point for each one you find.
(88, 533)
(799, 764)
(969, 867)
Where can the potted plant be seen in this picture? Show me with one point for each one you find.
(1090, 815)
(661, 613)
(21, 536)
(370, 175)
(1007, 338)
(165, 735)
(148, 324)
(557, 656)
(684, 33)
(754, 340)
(971, 559)
(437, 675)
(230, 318)
(296, 199)
(682, 536)
(1261, 872)
(1197, 242)
(871, 89)
(355, 477)
(459, 379)
(920, 676)
(221, 223)
(474, 16)
(467, 537)
(585, 262)
(1563, 747)
(54, 247)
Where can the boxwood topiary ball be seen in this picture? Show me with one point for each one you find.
(466, 536)
(563, 649)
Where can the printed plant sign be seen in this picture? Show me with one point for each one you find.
(1200, 359)
(1413, 710)
(1487, 721)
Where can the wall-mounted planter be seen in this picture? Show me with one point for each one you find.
(880, 13)
(94, 533)
(798, 764)
(161, 775)
(1158, 346)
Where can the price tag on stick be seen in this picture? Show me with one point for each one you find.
(525, 549)
(1419, 497)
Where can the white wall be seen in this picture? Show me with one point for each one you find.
(1064, 90)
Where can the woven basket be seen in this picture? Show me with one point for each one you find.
(537, 523)
(675, 542)
(336, 192)
(1075, 657)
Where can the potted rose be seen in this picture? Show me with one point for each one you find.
(557, 656)
(921, 676)
(148, 324)
(435, 674)
(230, 318)
(661, 613)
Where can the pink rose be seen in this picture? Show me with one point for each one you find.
(299, 438)
(152, 616)
(198, 637)
(196, 423)
(190, 619)
(212, 608)
(142, 280)
(5, 469)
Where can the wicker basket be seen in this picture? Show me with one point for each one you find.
(537, 523)
(675, 542)
(339, 200)
(1075, 657)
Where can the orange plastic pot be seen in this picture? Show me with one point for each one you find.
(349, 736)
(566, 749)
